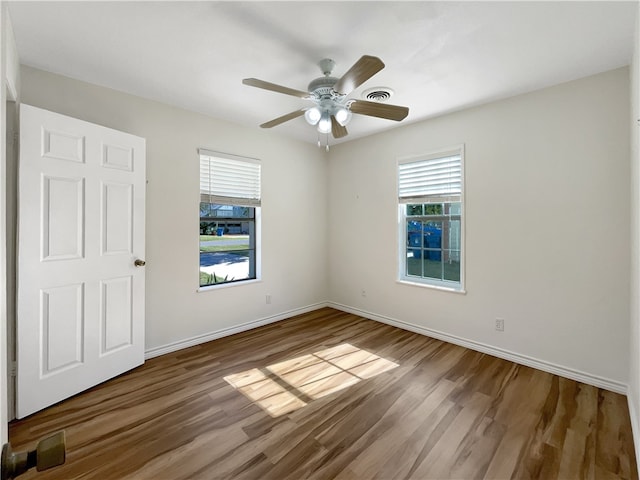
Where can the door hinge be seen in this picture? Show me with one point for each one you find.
(13, 369)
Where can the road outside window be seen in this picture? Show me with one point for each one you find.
(227, 243)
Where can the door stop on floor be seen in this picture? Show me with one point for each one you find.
(50, 452)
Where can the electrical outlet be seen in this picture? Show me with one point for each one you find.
(267, 298)
(364, 293)
(500, 324)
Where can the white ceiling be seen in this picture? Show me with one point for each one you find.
(439, 56)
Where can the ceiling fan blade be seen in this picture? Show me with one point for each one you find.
(282, 119)
(360, 72)
(380, 110)
(254, 82)
(337, 130)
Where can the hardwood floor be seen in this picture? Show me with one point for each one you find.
(331, 395)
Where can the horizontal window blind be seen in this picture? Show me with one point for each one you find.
(433, 179)
(229, 180)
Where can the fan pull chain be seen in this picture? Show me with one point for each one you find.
(326, 146)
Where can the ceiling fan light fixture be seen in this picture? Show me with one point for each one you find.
(324, 125)
(312, 115)
(332, 108)
(343, 116)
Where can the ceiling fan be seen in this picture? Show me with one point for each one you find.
(332, 110)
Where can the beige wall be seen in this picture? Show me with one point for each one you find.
(547, 222)
(634, 336)
(547, 228)
(294, 213)
(3, 232)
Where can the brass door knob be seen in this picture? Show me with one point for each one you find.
(139, 263)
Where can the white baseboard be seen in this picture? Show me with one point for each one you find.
(545, 366)
(560, 370)
(207, 337)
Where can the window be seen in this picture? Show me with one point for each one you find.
(229, 218)
(430, 190)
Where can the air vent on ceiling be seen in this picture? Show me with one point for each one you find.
(377, 94)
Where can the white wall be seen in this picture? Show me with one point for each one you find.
(547, 227)
(634, 337)
(294, 211)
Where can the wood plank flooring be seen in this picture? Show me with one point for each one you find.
(331, 395)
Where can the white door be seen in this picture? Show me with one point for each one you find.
(80, 318)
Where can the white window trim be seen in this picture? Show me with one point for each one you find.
(401, 247)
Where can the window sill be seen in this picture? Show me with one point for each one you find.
(228, 285)
(442, 288)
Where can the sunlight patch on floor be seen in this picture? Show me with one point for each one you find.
(286, 386)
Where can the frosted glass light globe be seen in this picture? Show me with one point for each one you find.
(312, 115)
(324, 125)
(343, 116)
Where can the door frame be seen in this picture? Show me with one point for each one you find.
(8, 103)
(11, 170)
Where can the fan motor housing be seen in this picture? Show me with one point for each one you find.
(322, 85)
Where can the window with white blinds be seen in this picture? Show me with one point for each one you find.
(228, 179)
(229, 227)
(430, 205)
(439, 178)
